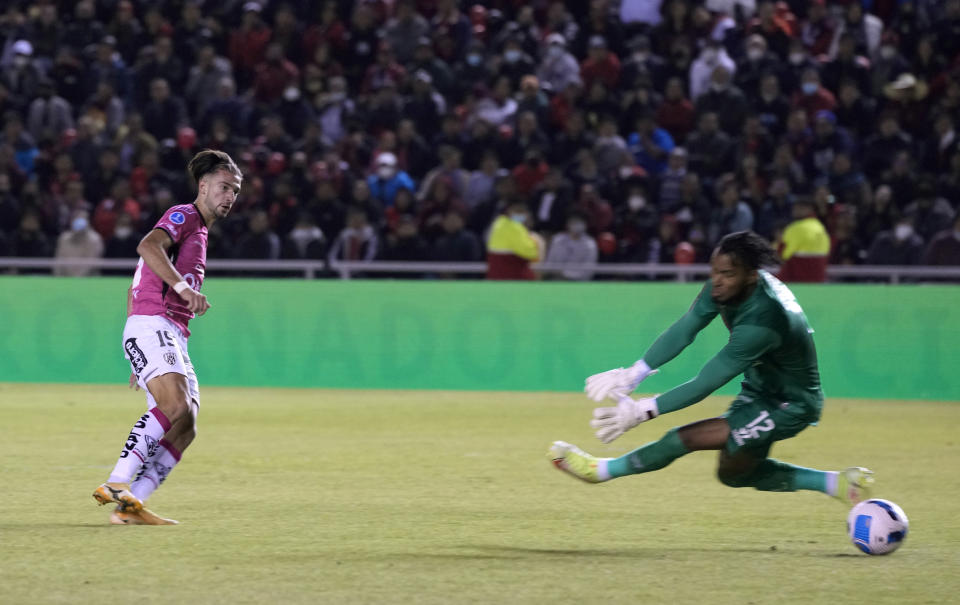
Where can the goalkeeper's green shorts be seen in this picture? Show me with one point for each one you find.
(756, 422)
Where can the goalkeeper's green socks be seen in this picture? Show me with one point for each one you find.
(650, 457)
(775, 476)
(770, 475)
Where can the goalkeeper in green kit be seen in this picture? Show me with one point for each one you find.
(771, 344)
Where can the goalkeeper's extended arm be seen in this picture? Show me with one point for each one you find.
(619, 382)
(677, 337)
(611, 422)
(747, 343)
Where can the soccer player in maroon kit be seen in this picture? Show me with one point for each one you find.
(164, 297)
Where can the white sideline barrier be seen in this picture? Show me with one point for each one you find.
(311, 269)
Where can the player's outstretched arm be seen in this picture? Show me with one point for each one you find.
(747, 343)
(153, 250)
(620, 382)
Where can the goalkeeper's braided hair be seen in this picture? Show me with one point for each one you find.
(748, 249)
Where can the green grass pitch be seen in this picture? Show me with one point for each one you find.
(317, 496)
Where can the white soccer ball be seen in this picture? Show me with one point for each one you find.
(877, 527)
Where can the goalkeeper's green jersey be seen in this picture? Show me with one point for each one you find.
(771, 344)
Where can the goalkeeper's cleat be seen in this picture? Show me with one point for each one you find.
(571, 459)
(144, 516)
(117, 493)
(854, 485)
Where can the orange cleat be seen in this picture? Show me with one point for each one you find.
(117, 493)
(144, 516)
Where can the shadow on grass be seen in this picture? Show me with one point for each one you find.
(612, 553)
(33, 525)
(508, 552)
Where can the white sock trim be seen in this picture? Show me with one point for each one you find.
(832, 477)
(603, 473)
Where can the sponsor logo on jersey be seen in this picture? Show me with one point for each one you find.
(170, 358)
(137, 359)
(177, 218)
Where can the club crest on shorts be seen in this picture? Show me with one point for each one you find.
(137, 359)
(170, 358)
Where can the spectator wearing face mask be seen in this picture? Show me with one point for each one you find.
(701, 70)
(294, 110)
(107, 213)
(387, 180)
(757, 62)
(636, 226)
(511, 247)
(122, 243)
(574, 247)
(798, 61)
(514, 62)
(472, 69)
(898, 246)
(81, 241)
(22, 77)
(812, 97)
(887, 65)
(305, 240)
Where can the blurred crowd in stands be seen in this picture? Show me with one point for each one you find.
(631, 131)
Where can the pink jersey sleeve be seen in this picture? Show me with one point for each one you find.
(177, 222)
(187, 229)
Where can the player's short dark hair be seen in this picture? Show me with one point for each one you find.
(209, 161)
(748, 250)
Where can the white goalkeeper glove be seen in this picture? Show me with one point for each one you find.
(618, 382)
(612, 422)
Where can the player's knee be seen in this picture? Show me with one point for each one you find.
(174, 408)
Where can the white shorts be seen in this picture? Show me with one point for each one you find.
(154, 346)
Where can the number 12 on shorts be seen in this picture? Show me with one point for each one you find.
(761, 424)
